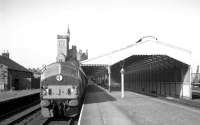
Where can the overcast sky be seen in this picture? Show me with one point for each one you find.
(28, 28)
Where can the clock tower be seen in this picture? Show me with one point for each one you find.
(63, 47)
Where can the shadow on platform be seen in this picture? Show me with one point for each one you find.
(95, 94)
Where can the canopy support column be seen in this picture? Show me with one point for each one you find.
(109, 79)
(122, 82)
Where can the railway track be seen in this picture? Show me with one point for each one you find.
(15, 105)
(60, 121)
(16, 118)
(17, 110)
(38, 119)
(32, 116)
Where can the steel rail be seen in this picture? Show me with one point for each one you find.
(52, 121)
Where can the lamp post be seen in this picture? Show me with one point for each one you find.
(122, 78)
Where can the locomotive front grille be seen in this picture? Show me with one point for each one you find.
(60, 92)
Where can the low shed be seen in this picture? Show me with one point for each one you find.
(13, 75)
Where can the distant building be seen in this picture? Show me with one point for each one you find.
(13, 75)
(73, 53)
(63, 51)
(35, 81)
(82, 56)
(196, 76)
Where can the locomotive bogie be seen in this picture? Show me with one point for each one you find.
(44, 103)
(46, 112)
(51, 108)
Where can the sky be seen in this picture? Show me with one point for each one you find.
(28, 28)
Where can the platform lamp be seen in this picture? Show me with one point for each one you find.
(122, 77)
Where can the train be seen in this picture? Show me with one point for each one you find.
(62, 86)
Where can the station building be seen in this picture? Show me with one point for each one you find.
(13, 76)
(149, 66)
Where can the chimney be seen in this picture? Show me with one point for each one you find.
(74, 52)
(5, 54)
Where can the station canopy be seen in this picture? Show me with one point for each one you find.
(145, 47)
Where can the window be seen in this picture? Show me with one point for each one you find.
(61, 42)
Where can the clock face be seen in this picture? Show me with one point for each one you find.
(61, 57)
(59, 77)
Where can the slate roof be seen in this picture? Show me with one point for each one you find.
(12, 65)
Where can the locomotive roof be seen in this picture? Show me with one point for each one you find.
(71, 63)
(53, 68)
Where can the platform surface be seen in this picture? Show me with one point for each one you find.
(8, 95)
(104, 108)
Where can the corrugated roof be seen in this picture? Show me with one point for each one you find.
(12, 64)
(148, 47)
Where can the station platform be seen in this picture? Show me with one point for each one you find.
(9, 95)
(104, 108)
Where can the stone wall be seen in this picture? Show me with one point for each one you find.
(3, 76)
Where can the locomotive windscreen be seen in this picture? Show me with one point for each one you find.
(50, 70)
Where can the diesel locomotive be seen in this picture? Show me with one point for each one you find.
(62, 89)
